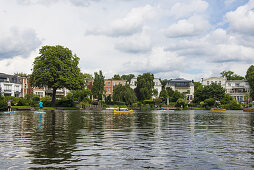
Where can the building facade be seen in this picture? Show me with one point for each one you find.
(10, 85)
(185, 87)
(238, 89)
(26, 87)
(109, 85)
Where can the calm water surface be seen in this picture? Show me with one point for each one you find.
(103, 140)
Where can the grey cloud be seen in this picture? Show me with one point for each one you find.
(18, 43)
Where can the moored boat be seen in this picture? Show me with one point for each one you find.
(218, 109)
(248, 109)
(123, 111)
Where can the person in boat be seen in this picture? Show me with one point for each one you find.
(41, 106)
(9, 105)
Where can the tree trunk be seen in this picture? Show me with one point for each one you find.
(54, 97)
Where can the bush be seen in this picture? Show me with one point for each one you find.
(232, 106)
(148, 102)
(65, 102)
(210, 102)
(3, 104)
(180, 103)
(119, 103)
(46, 101)
(23, 102)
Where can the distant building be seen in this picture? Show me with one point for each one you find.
(238, 89)
(10, 85)
(109, 85)
(26, 87)
(185, 87)
(59, 92)
(217, 80)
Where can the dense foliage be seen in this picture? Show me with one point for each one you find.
(56, 68)
(145, 86)
(250, 77)
(128, 77)
(98, 85)
(124, 94)
(231, 76)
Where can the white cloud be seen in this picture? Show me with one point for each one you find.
(195, 25)
(129, 25)
(242, 19)
(16, 42)
(188, 8)
(134, 44)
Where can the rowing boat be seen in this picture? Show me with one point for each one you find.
(215, 109)
(123, 111)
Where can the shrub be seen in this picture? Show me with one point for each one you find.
(180, 103)
(65, 102)
(3, 104)
(210, 102)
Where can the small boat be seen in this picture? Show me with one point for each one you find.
(123, 111)
(39, 112)
(218, 109)
(10, 112)
(248, 109)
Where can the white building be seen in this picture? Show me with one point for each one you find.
(217, 80)
(10, 85)
(238, 89)
(185, 87)
(157, 85)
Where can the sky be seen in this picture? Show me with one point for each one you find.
(191, 39)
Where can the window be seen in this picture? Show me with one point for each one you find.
(215, 82)
(229, 84)
(219, 82)
(237, 84)
(207, 82)
(16, 88)
(25, 86)
(7, 87)
(108, 83)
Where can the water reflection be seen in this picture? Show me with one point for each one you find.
(158, 139)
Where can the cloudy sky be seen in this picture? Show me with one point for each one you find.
(169, 38)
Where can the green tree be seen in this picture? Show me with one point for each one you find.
(124, 94)
(170, 93)
(56, 67)
(81, 95)
(128, 77)
(116, 77)
(198, 88)
(180, 102)
(98, 85)
(250, 78)
(163, 95)
(145, 86)
(231, 76)
(210, 102)
(176, 95)
(214, 91)
(163, 83)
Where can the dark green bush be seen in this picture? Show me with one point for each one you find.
(3, 104)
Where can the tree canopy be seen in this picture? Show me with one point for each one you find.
(116, 77)
(128, 77)
(145, 86)
(98, 85)
(56, 67)
(124, 94)
(231, 76)
(250, 78)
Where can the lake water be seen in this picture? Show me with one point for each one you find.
(103, 140)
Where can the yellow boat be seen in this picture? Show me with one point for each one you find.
(215, 109)
(123, 111)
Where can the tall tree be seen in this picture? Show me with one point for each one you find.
(124, 94)
(56, 67)
(116, 77)
(163, 83)
(145, 86)
(250, 78)
(98, 85)
(128, 77)
(231, 76)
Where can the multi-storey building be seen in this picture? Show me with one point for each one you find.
(10, 85)
(238, 89)
(109, 85)
(26, 87)
(185, 87)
